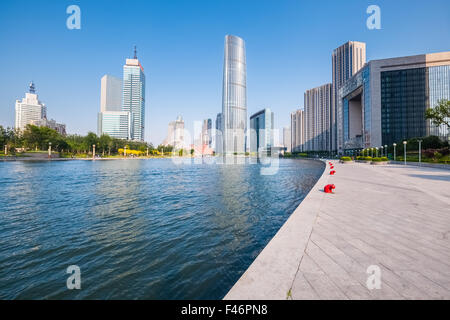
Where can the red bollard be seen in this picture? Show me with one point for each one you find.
(329, 188)
(332, 172)
(331, 167)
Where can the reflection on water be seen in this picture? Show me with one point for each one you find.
(139, 229)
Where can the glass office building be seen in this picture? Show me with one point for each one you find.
(385, 102)
(133, 97)
(117, 124)
(261, 131)
(234, 101)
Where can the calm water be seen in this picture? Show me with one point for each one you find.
(139, 229)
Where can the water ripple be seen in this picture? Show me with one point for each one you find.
(139, 229)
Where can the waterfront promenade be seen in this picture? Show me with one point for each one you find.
(393, 217)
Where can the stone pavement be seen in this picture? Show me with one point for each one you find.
(392, 217)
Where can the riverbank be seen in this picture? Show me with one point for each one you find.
(390, 217)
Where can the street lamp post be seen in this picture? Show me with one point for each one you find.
(49, 150)
(147, 152)
(420, 152)
(404, 148)
(381, 151)
(93, 152)
(394, 150)
(125, 151)
(6, 149)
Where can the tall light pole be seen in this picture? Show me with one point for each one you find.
(394, 150)
(404, 148)
(93, 152)
(420, 152)
(381, 151)
(147, 152)
(6, 149)
(49, 150)
(125, 151)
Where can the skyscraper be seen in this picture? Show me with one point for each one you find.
(110, 94)
(234, 102)
(287, 138)
(29, 109)
(346, 61)
(261, 131)
(317, 118)
(206, 132)
(111, 119)
(175, 134)
(133, 98)
(298, 131)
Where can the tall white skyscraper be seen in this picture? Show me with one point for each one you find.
(317, 118)
(346, 61)
(110, 94)
(234, 103)
(133, 96)
(29, 109)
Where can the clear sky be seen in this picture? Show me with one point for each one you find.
(180, 45)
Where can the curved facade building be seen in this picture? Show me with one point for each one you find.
(234, 103)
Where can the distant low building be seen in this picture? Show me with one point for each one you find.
(287, 138)
(52, 124)
(175, 134)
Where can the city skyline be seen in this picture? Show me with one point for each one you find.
(278, 76)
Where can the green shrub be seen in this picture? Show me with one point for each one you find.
(346, 159)
(368, 158)
(379, 159)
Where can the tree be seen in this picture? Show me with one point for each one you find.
(440, 114)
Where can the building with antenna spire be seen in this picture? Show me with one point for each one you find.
(133, 96)
(29, 109)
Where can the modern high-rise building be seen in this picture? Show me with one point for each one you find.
(175, 134)
(116, 124)
(287, 138)
(261, 131)
(29, 109)
(385, 101)
(347, 59)
(133, 98)
(218, 139)
(110, 94)
(206, 132)
(111, 119)
(234, 101)
(317, 118)
(298, 131)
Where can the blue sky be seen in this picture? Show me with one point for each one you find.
(180, 45)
